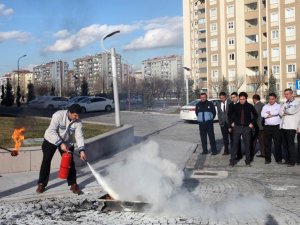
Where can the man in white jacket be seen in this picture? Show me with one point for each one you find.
(290, 112)
(63, 126)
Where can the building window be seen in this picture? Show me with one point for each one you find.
(265, 53)
(290, 85)
(214, 43)
(274, 16)
(275, 69)
(289, 13)
(230, 25)
(213, 27)
(275, 52)
(214, 58)
(291, 68)
(275, 34)
(290, 31)
(231, 73)
(291, 50)
(214, 74)
(231, 56)
(213, 12)
(231, 41)
(273, 1)
(201, 21)
(230, 10)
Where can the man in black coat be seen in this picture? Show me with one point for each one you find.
(222, 108)
(234, 99)
(242, 120)
(206, 112)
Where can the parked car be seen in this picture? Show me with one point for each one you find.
(187, 112)
(97, 104)
(36, 103)
(72, 101)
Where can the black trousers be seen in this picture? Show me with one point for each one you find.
(225, 134)
(207, 128)
(272, 134)
(238, 132)
(239, 154)
(48, 153)
(288, 142)
(298, 154)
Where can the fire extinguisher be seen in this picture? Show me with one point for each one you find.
(65, 165)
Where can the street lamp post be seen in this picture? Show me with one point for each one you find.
(114, 75)
(18, 88)
(187, 84)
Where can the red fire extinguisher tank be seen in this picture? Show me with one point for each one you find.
(65, 165)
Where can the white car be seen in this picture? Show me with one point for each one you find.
(72, 101)
(187, 112)
(96, 104)
(36, 103)
(52, 102)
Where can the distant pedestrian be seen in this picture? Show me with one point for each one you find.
(206, 112)
(222, 108)
(242, 119)
(234, 99)
(258, 128)
(270, 114)
(289, 117)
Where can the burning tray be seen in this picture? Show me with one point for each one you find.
(126, 206)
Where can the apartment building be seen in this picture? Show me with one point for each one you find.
(51, 74)
(166, 67)
(242, 41)
(97, 71)
(26, 77)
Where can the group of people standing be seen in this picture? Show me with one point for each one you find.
(242, 122)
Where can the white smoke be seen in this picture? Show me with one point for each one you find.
(145, 176)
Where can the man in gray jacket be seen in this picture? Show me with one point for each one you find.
(63, 126)
(258, 128)
(222, 108)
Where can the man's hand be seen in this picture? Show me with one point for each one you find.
(232, 125)
(251, 125)
(229, 130)
(82, 156)
(64, 147)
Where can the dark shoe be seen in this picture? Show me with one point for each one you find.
(232, 163)
(214, 153)
(279, 162)
(225, 153)
(248, 164)
(40, 189)
(290, 164)
(260, 156)
(267, 162)
(74, 188)
(204, 153)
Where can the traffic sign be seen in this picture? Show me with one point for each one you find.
(297, 84)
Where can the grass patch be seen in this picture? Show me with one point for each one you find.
(35, 128)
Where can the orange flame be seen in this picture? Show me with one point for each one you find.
(18, 137)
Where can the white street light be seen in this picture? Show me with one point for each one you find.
(114, 75)
(18, 88)
(187, 84)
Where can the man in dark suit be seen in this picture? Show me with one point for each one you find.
(234, 99)
(258, 128)
(222, 108)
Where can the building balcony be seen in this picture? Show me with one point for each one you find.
(251, 14)
(249, 1)
(250, 47)
(251, 30)
(252, 62)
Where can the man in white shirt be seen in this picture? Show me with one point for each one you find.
(290, 112)
(270, 113)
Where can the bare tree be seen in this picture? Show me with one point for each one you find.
(257, 80)
(216, 84)
(238, 82)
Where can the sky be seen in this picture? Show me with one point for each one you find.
(68, 29)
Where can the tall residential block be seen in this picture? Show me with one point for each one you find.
(243, 42)
(51, 74)
(96, 70)
(166, 67)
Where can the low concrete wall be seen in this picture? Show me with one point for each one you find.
(30, 158)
